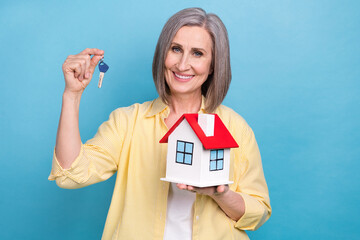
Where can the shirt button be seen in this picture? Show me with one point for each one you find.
(197, 217)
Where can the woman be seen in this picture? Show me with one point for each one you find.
(191, 71)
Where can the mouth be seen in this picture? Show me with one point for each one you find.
(182, 77)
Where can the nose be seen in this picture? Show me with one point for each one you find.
(183, 63)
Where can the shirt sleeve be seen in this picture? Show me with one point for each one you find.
(98, 157)
(251, 184)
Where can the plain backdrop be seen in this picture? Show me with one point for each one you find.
(296, 72)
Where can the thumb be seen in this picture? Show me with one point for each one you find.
(220, 190)
(94, 61)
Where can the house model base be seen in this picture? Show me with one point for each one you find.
(198, 152)
(195, 184)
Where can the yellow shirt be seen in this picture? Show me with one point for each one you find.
(128, 143)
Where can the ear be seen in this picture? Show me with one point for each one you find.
(211, 71)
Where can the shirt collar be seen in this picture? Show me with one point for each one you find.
(159, 106)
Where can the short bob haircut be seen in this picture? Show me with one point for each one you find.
(216, 86)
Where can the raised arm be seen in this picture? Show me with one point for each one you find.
(78, 70)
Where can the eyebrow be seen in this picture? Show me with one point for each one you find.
(194, 49)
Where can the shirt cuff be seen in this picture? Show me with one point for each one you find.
(58, 171)
(255, 214)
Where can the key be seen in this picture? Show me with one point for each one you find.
(103, 67)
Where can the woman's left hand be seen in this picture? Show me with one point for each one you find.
(210, 191)
(229, 201)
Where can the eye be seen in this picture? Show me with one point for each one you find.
(198, 54)
(176, 49)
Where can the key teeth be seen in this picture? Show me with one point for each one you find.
(101, 77)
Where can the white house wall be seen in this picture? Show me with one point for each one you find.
(183, 173)
(211, 178)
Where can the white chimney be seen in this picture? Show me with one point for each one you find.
(207, 123)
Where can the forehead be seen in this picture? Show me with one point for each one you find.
(193, 37)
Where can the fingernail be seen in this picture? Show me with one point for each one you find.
(87, 75)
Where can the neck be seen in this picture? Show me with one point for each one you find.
(180, 104)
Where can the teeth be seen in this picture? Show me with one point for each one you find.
(183, 77)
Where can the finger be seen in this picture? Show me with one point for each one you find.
(98, 55)
(226, 188)
(77, 70)
(87, 67)
(220, 189)
(83, 69)
(92, 51)
(85, 82)
(84, 61)
(181, 186)
(94, 61)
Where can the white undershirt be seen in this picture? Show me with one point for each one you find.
(179, 215)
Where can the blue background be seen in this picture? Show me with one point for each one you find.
(295, 80)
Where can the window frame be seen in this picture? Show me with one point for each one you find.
(217, 159)
(185, 153)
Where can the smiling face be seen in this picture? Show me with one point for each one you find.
(188, 61)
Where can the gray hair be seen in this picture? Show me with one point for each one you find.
(216, 86)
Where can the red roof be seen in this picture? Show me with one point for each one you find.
(221, 139)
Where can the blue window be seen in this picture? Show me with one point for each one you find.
(184, 152)
(216, 160)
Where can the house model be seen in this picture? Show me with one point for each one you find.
(198, 151)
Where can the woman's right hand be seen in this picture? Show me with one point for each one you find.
(78, 69)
